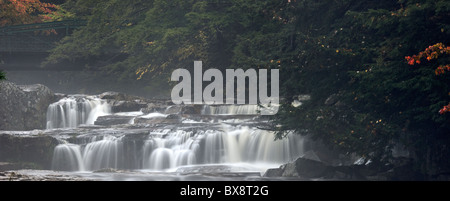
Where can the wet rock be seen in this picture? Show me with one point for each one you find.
(289, 170)
(169, 119)
(118, 96)
(331, 100)
(154, 107)
(309, 168)
(192, 109)
(273, 172)
(110, 120)
(302, 167)
(36, 150)
(174, 109)
(59, 96)
(4, 166)
(127, 106)
(38, 175)
(109, 170)
(216, 169)
(24, 107)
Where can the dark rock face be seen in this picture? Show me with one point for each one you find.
(192, 109)
(127, 106)
(273, 172)
(24, 107)
(309, 168)
(109, 120)
(37, 150)
(127, 103)
(400, 170)
(117, 96)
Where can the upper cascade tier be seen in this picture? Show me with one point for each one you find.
(72, 111)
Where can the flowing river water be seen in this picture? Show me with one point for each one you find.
(221, 142)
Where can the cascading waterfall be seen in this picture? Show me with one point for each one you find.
(177, 149)
(105, 153)
(67, 157)
(165, 147)
(97, 154)
(70, 112)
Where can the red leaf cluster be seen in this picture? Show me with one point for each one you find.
(445, 109)
(14, 12)
(433, 52)
(441, 69)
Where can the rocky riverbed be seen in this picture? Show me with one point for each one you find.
(114, 136)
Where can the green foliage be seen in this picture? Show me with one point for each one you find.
(371, 41)
(2, 75)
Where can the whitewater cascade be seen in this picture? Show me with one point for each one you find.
(72, 111)
(165, 149)
(162, 147)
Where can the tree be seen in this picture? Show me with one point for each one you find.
(379, 104)
(25, 11)
(15, 12)
(430, 53)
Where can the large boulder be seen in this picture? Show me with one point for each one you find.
(118, 96)
(32, 150)
(24, 107)
(127, 106)
(302, 167)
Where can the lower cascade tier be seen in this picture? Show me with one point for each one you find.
(168, 148)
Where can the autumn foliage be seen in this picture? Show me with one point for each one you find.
(430, 53)
(15, 12)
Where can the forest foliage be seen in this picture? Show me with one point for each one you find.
(349, 55)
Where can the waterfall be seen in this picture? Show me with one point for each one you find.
(72, 111)
(67, 157)
(177, 149)
(105, 153)
(166, 149)
(164, 146)
(97, 154)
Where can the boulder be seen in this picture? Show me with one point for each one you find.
(192, 109)
(109, 120)
(24, 107)
(154, 107)
(126, 106)
(173, 109)
(302, 167)
(117, 96)
(170, 119)
(310, 168)
(273, 172)
(37, 150)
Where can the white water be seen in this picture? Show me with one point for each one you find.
(72, 111)
(168, 148)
